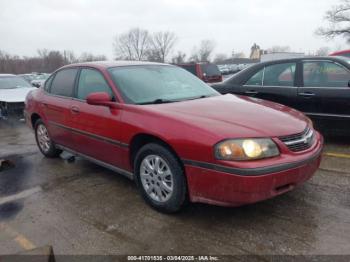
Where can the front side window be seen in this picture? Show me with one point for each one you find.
(325, 74)
(279, 75)
(152, 83)
(63, 82)
(257, 79)
(91, 81)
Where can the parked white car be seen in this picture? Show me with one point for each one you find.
(13, 92)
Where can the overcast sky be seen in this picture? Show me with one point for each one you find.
(90, 25)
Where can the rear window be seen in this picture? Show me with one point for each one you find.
(63, 83)
(210, 70)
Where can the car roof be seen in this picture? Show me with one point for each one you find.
(314, 58)
(340, 52)
(109, 64)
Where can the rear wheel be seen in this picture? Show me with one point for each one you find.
(160, 178)
(43, 140)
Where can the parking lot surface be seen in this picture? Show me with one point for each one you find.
(81, 208)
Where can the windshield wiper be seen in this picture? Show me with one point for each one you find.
(198, 97)
(158, 101)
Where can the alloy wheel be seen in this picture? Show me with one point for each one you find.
(156, 178)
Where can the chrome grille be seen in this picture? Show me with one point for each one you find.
(299, 142)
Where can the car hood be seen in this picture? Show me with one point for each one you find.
(230, 115)
(15, 95)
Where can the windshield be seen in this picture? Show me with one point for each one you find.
(158, 83)
(10, 82)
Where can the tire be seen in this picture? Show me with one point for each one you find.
(44, 142)
(155, 186)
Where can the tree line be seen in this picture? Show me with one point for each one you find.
(46, 61)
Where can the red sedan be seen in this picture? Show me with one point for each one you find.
(174, 135)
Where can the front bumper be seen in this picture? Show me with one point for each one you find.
(222, 188)
(9, 109)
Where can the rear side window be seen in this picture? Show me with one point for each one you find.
(91, 81)
(48, 84)
(63, 83)
(325, 74)
(210, 70)
(279, 75)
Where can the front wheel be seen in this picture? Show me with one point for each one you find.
(160, 178)
(44, 142)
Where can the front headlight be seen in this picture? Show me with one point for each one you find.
(246, 149)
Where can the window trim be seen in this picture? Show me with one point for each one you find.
(75, 93)
(323, 60)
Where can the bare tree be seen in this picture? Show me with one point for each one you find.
(338, 19)
(203, 53)
(161, 45)
(132, 45)
(179, 58)
(88, 57)
(206, 49)
(323, 51)
(46, 61)
(277, 49)
(69, 57)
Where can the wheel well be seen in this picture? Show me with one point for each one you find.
(35, 117)
(142, 139)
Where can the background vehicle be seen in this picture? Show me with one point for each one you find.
(207, 72)
(13, 91)
(27, 77)
(35, 79)
(39, 79)
(183, 140)
(345, 53)
(317, 86)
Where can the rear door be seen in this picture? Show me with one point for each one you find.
(275, 82)
(96, 129)
(56, 105)
(325, 89)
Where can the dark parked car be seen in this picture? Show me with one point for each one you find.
(172, 133)
(317, 86)
(207, 72)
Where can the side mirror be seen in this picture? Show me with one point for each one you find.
(101, 99)
(349, 83)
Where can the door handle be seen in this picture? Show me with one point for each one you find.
(251, 92)
(75, 110)
(307, 94)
